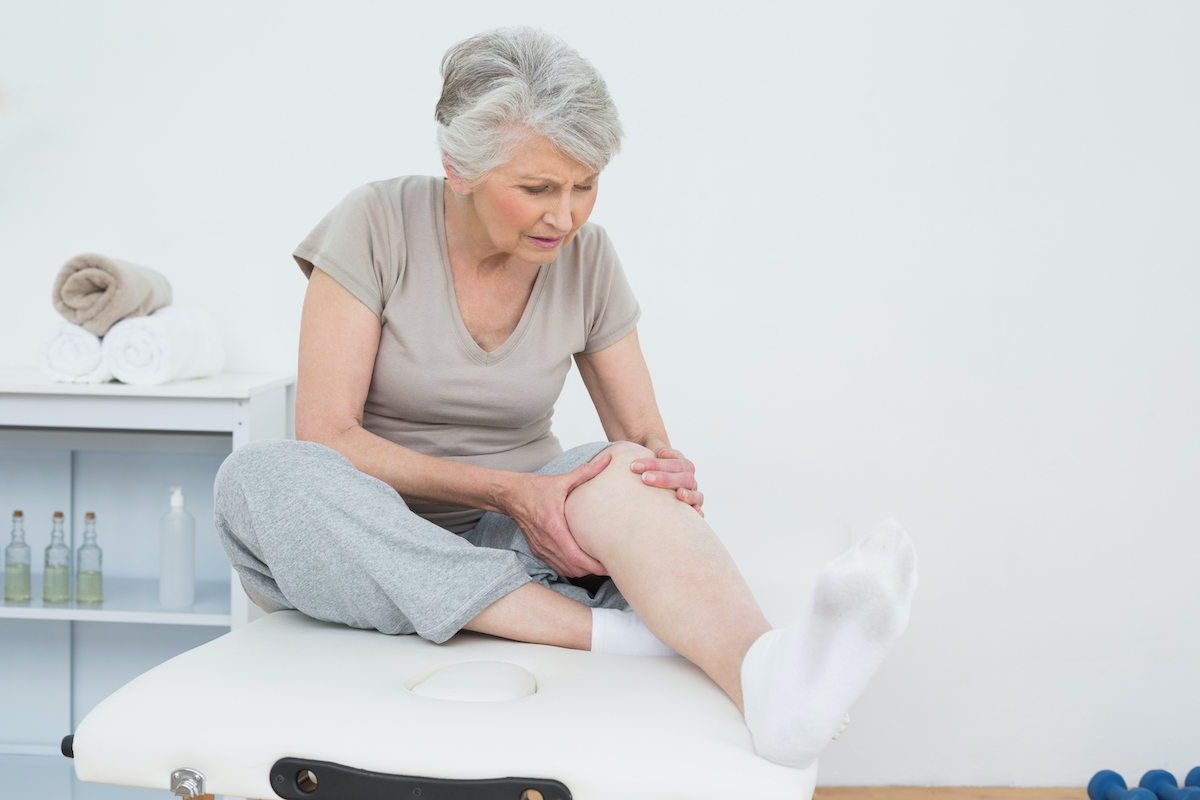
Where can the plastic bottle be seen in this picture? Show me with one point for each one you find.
(16, 563)
(88, 580)
(56, 579)
(177, 564)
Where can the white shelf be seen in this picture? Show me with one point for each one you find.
(227, 386)
(67, 435)
(129, 600)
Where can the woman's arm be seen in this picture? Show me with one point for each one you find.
(618, 381)
(339, 339)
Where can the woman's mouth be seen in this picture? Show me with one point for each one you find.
(546, 242)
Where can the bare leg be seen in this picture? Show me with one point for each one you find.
(538, 615)
(681, 580)
(670, 566)
(793, 684)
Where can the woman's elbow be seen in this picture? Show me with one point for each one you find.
(322, 429)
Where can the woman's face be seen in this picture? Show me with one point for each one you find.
(533, 205)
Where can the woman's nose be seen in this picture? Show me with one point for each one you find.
(559, 214)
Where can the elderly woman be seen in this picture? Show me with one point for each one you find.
(428, 494)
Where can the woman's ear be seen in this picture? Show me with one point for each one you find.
(459, 186)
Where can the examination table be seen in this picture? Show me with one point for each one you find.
(292, 707)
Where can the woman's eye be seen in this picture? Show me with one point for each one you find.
(587, 188)
(534, 189)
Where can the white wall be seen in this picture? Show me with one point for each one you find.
(929, 260)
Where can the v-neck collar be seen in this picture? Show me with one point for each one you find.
(472, 347)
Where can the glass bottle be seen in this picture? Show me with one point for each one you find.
(16, 563)
(88, 585)
(56, 580)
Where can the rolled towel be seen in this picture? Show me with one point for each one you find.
(172, 344)
(72, 355)
(97, 292)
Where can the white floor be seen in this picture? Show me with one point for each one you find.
(53, 778)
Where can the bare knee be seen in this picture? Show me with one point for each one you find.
(609, 506)
(617, 477)
(624, 454)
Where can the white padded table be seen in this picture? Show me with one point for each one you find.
(607, 727)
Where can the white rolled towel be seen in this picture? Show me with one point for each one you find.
(172, 344)
(72, 355)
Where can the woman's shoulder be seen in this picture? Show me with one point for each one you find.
(392, 212)
(365, 242)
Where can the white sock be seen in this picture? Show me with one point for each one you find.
(797, 682)
(621, 632)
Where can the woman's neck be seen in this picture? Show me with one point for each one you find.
(470, 248)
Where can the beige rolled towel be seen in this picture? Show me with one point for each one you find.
(96, 292)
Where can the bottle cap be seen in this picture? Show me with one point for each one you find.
(18, 514)
(176, 497)
(58, 515)
(90, 515)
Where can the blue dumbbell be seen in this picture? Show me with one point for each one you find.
(1108, 785)
(1165, 787)
(1193, 778)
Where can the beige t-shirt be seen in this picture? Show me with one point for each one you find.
(434, 389)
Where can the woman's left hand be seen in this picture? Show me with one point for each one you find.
(669, 469)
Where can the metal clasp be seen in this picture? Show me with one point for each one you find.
(187, 783)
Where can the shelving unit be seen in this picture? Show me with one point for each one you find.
(131, 600)
(113, 449)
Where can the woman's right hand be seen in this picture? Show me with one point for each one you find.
(540, 513)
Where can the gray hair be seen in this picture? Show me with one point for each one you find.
(502, 81)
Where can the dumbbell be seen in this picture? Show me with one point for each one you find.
(1165, 787)
(1108, 785)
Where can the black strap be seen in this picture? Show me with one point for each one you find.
(302, 779)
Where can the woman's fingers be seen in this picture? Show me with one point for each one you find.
(547, 533)
(670, 480)
(585, 472)
(566, 557)
(693, 499)
(671, 470)
(669, 474)
(581, 564)
(667, 464)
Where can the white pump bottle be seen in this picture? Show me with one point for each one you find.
(177, 562)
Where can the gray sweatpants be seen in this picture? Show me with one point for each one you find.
(307, 530)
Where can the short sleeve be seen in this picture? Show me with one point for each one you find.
(353, 245)
(614, 310)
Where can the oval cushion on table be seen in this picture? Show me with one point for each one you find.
(607, 726)
(476, 682)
